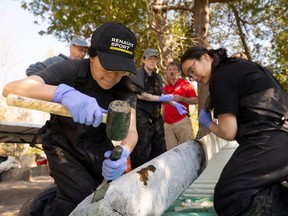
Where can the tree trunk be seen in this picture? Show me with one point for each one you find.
(159, 10)
(201, 19)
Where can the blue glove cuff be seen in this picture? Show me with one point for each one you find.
(161, 98)
(60, 91)
(207, 124)
(166, 98)
(205, 118)
(114, 169)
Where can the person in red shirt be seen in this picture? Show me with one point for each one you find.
(178, 128)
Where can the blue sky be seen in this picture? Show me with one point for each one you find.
(21, 43)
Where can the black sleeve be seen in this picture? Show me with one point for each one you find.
(61, 72)
(234, 81)
(224, 93)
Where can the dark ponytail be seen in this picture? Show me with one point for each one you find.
(218, 55)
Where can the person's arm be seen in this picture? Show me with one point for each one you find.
(225, 128)
(83, 108)
(186, 100)
(148, 97)
(188, 95)
(155, 98)
(33, 87)
(130, 141)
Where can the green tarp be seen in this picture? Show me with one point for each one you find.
(178, 208)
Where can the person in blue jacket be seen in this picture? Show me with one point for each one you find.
(77, 48)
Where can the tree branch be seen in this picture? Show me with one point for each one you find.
(172, 7)
(241, 33)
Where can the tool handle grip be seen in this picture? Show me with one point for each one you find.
(40, 105)
(116, 153)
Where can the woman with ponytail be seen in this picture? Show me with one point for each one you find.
(251, 107)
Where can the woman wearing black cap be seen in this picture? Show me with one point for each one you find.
(75, 146)
(252, 108)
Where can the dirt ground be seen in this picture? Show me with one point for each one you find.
(13, 194)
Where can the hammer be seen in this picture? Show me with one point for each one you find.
(117, 121)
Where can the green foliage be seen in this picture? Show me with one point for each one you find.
(12, 149)
(182, 31)
(264, 24)
(280, 38)
(67, 18)
(16, 150)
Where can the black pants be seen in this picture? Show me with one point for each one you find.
(76, 169)
(250, 182)
(151, 142)
(269, 201)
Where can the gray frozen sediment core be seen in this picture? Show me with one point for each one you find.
(151, 188)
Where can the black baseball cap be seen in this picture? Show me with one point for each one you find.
(115, 45)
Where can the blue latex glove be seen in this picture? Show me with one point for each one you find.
(83, 108)
(182, 110)
(166, 98)
(205, 118)
(114, 169)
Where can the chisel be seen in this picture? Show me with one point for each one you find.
(103, 187)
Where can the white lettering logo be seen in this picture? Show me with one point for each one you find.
(121, 45)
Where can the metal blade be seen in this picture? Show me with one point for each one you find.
(100, 191)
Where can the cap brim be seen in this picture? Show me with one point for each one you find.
(116, 63)
(81, 45)
(150, 55)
